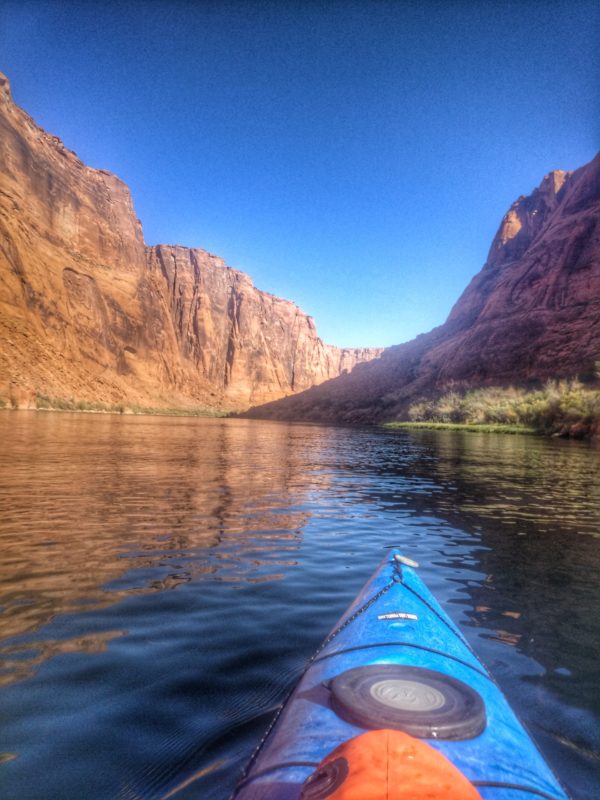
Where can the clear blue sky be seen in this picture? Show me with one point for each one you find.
(355, 157)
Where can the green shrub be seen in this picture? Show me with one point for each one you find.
(554, 408)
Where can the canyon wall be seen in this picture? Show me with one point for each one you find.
(532, 313)
(88, 311)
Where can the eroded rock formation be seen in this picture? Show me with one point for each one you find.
(532, 313)
(88, 311)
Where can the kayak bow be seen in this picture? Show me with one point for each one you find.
(396, 662)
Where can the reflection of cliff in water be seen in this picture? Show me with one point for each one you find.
(100, 509)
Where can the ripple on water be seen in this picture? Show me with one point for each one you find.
(163, 582)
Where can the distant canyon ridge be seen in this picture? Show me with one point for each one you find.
(89, 311)
(531, 314)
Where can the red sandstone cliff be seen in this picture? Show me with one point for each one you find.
(532, 313)
(88, 311)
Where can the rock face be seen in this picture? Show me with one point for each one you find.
(532, 313)
(88, 311)
(250, 344)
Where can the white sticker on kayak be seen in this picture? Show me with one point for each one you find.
(398, 615)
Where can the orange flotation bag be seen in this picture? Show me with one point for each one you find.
(387, 765)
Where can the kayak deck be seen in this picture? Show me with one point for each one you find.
(395, 620)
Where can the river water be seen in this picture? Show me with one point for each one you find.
(164, 580)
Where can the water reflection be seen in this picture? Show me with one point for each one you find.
(164, 580)
(94, 510)
(535, 507)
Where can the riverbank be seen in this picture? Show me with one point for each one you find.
(462, 426)
(45, 403)
(565, 408)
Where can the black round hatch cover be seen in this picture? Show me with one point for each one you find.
(419, 701)
(325, 780)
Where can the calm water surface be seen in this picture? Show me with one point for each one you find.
(163, 582)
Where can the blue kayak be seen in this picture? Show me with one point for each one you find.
(396, 661)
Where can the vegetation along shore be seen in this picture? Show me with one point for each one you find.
(42, 402)
(566, 408)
